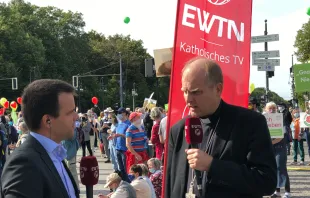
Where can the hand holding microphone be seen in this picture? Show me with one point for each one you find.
(197, 159)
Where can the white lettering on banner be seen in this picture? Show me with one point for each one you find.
(239, 59)
(206, 27)
(193, 49)
(304, 79)
(301, 72)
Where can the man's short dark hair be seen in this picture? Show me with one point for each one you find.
(41, 98)
(136, 169)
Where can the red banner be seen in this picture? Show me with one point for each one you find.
(218, 30)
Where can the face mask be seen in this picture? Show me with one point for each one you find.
(137, 123)
(296, 115)
(152, 170)
(19, 132)
(131, 177)
(119, 116)
(11, 123)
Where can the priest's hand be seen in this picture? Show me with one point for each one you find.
(198, 159)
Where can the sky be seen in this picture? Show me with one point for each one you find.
(153, 21)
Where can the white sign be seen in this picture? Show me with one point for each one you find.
(304, 121)
(266, 62)
(265, 68)
(265, 38)
(266, 54)
(275, 124)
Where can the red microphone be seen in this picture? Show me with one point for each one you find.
(89, 173)
(194, 136)
(193, 131)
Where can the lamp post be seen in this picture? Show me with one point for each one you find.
(134, 94)
(120, 79)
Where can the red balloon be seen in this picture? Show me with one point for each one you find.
(6, 104)
(13, 105)
(19, 100)
(94, 100)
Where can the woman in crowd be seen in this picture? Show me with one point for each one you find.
(112, 141)
(24, 131)
(145, 176)
(298, 143)
(279, 145)
(156, 177)
(156, 115)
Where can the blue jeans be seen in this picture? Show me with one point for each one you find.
(121, 160)
(113, 155)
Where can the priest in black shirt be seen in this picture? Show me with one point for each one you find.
(236, 157)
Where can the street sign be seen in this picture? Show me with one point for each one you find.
(266, 54)
(266, 62)
(265, 68)
(265, 38)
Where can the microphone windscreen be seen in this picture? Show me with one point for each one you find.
(193, 130)
(89, 171)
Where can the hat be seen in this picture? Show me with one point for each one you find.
(109, 109)
(133, 115)
(121, 110)
(111, 178)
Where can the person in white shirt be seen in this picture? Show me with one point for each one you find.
(141, 186)
(145, 173)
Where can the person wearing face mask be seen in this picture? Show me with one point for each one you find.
(141, 186)
(145, 176)
(120, 147)
(279, 146)
(121, 189)
(156, 177)
(297, 139)
(135, 141)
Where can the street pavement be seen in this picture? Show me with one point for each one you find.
(300, 178)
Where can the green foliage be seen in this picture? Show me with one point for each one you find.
(274, 97)
(302, 43)
(47, 42)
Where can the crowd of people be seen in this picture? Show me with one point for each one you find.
(294, 136)
(132, 141)
(237, 157)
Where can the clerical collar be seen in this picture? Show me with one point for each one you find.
(213, 118)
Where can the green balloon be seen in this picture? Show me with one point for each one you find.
(308, 11)
(126, 20)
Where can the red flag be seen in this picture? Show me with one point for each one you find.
(218, 30)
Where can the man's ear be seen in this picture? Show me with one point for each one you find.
(219, 89)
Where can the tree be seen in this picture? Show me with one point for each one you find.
(302, 43)
(47, 42)
(260, 92)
